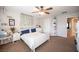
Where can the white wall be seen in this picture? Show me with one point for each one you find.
(62, 23)
(35, 21)
(2, 18)
(45, 23)
(16, 16)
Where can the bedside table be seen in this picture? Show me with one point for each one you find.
(16, 36)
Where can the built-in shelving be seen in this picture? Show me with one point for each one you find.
(53, 27)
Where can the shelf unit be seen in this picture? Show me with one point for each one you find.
(53, 27)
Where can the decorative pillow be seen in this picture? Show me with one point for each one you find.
(25, 31)
(33, 30)
(3, 34)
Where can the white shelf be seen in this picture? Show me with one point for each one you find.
(53, 27)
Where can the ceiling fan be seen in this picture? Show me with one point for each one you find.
(42, 10)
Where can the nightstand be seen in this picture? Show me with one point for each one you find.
(16, 36)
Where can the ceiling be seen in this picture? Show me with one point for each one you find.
(56, 10)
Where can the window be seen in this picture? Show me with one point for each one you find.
(26, 21)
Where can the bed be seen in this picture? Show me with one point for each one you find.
(35, 39)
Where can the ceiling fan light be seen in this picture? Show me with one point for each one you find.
(42, 13)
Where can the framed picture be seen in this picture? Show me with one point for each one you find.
(11, 22)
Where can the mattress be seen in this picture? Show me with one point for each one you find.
(33, 40)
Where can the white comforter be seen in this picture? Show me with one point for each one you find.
(33, 40)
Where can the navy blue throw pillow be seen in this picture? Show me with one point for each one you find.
(25, 31)
(33, 30)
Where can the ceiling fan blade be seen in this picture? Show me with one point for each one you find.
(49, 8)
(41, 7)
(47, 12)
(37, 7)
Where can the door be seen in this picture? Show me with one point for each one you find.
(71, 30)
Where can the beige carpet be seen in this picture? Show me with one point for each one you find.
(55, 44)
